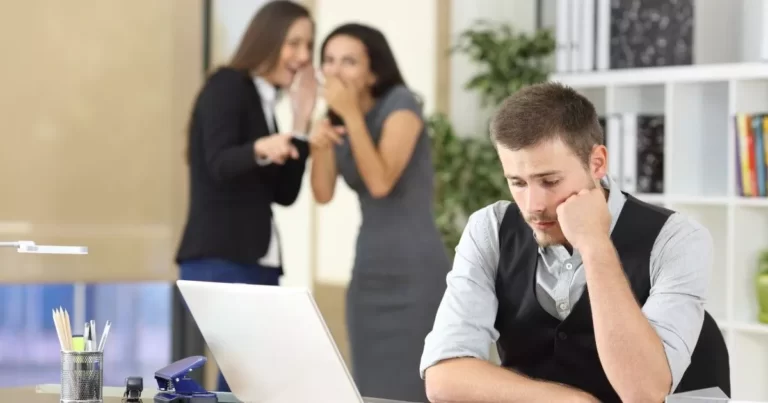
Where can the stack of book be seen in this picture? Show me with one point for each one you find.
(635, 145)
(616, 34)
(751, 153)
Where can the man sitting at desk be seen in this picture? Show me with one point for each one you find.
(590, 294)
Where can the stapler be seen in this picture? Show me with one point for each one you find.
(176, 387)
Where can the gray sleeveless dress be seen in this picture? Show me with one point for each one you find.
(398, 278)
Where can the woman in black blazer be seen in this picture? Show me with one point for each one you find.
(240, 162)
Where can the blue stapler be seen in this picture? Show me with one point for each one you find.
(176, 387)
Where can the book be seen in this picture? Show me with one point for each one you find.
(750, 132)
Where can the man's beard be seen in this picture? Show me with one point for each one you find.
(553, 235)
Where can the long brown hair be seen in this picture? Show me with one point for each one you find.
(259, 49)
(260, 46)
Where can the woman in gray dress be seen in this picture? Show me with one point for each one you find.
(377, 140)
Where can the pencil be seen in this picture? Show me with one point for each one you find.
(68, 330)
(63, 328)
(57, 325)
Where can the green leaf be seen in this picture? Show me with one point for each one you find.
(468, 175)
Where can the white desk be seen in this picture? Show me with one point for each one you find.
(710, 395)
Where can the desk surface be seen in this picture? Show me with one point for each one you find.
(30, 394)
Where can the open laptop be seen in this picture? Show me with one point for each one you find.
(271, 343)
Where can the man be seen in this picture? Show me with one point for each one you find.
(522, 270)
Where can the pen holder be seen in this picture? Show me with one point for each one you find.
(82, 376)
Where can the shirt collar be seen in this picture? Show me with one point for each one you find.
(616, 199)
(267, 91)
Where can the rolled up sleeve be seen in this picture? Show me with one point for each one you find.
(464, 324)
(681, 264)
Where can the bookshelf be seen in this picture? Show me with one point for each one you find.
(699, 103)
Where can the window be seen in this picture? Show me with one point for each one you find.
(139, 341)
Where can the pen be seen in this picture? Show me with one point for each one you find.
(94, 335)
(104, 336)
(91, 336)
(86, 337)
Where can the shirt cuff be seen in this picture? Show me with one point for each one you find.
(261, 161)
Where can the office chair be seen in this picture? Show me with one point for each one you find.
(710, 365)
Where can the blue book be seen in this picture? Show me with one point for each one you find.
(760, 166)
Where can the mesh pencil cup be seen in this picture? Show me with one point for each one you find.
(82, 376)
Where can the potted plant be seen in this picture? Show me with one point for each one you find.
(506, 60)
(761, 281)
(468, 175)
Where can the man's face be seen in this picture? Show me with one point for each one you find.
(545, 175)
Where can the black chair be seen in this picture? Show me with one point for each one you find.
(709, 366)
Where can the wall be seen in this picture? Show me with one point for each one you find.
(229, 20)
(468, 118)
(93, 135)
(95, 99)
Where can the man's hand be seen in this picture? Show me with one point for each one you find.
(584, 217)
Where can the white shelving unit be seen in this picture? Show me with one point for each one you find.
(699, 103)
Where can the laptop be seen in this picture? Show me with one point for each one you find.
(271, 343)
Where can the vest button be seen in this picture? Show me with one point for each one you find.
(562, 335)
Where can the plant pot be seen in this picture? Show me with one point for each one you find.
(761, 280)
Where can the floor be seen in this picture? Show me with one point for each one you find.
(330, 300)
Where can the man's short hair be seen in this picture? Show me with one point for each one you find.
(547, 111)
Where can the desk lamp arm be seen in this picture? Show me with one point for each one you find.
(31, 247)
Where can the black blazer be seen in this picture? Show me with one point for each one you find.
(230, 194)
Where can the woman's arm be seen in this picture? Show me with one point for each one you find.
(380, 168)
(324, 172)
(219, 112)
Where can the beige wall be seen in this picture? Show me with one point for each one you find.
(467, 117)
(95, 97)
